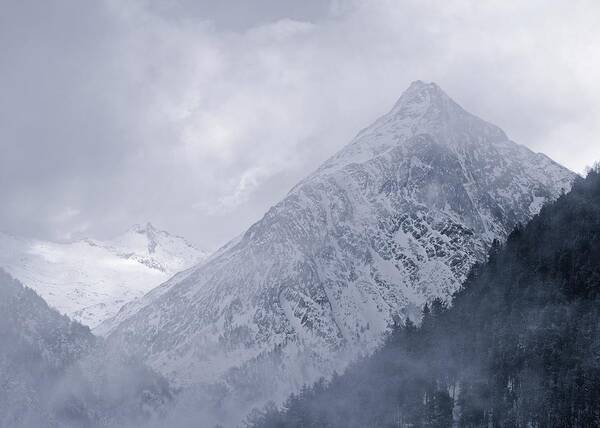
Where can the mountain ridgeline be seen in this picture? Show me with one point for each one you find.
(519, 347)
(89, 280)
(394, 220)
(333, 275)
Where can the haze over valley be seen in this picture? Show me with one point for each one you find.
(277, 214)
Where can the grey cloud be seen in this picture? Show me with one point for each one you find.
(200, 115)
(238, 15)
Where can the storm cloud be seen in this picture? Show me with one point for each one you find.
(198, 116)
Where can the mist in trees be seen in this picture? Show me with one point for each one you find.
(520, 346)
(55, 373)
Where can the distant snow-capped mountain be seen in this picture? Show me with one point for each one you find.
(89, 280)
(395, 219)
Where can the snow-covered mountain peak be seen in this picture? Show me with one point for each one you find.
(146, 232)
(420, 96)
(89, 279)
(155, 246)
(148, 228)
(431, 110)
(423, 109)
(395, 219)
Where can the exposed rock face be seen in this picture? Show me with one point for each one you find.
(395, 219)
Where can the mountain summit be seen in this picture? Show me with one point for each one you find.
(89, 280)
(424, 108)
(428, 108)
(394, 220)
(420, 97)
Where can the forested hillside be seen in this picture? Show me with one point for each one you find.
(519, 347)
(55, 373)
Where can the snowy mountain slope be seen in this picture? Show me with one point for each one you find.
(90, 280)
(131, 308)
(395, 219)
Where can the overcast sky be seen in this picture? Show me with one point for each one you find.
(200, 115)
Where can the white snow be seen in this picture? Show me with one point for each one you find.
(395, 219)
(90, 280)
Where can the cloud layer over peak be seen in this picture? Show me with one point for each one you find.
(199, 116)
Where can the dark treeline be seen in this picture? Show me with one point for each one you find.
(520, 346)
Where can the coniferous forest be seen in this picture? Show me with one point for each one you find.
(519, 346)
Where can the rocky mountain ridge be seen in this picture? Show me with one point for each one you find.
(394, 220)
